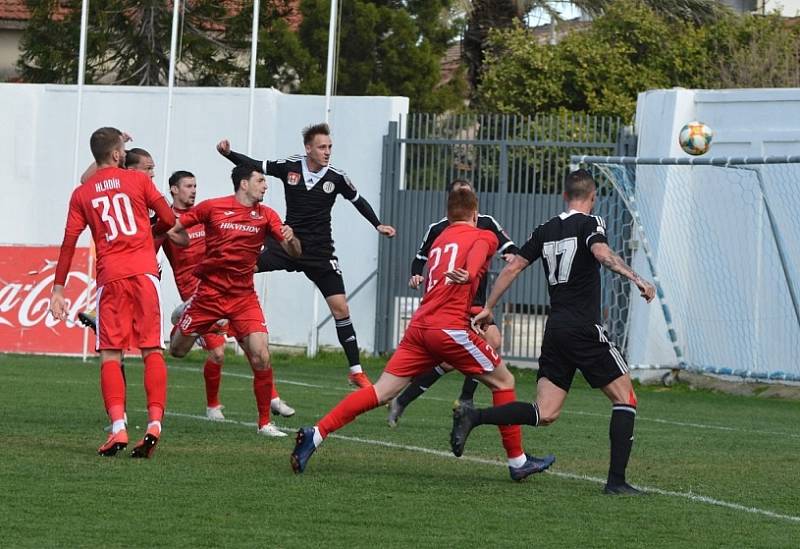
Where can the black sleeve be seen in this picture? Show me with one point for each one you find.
(593, 230)
(532, 249)
(366, 210)
(239, 159)
(505, 244)
(434, 230)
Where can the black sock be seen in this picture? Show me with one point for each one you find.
(620, 431)
(513, 413)
(347, 338)
(468, 389)
(419, 385)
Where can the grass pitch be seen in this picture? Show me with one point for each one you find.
(720, 470)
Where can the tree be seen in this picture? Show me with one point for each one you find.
(385, 47)
(127, 42)
(629, 49)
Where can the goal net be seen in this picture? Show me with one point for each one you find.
(720, 237)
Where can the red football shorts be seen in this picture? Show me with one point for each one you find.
(209, 305)
(129, 314)
(423, 348)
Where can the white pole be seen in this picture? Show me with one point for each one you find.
(313, 339)
(81, 79)
(170, 85)
(253, 59)
(331, 61)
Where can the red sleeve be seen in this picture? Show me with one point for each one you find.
(76, 222)
(196, 215)
(478, 254)
(275, 225)
(156, 202)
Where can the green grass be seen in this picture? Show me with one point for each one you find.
(222, 485)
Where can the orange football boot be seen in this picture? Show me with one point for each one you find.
(114, 444)
(359, 380)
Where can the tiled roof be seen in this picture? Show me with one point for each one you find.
(14, 10)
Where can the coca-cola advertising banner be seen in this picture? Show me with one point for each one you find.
(26, 280)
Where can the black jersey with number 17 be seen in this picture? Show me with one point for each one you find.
(309, 199)
(573, 274)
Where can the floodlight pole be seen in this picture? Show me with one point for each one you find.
(253, 59)
(170, 87)
(313, 336)
(77, 140)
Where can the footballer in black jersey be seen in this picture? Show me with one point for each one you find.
(311, 186)
(507, 250)
(572, 247)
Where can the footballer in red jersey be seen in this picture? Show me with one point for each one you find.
(114, 203)
(235, 228)
(439, 332)
(184, 260)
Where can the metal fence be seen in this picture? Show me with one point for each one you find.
(517, 165)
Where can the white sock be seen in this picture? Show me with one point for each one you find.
(356, 369)
(125, 418)
(317, 437)
(275, 400)
(155, 424)
(118, 425)
(518, 461)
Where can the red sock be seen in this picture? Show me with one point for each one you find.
(274, 393)
(155, 385)
(112, 385)
(262, 388)
(354, 404)
(212, 373)
(511, 434)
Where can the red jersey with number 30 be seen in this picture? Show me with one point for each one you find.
(184, 260)
(446, 305)
(235, 234)
(114, 204)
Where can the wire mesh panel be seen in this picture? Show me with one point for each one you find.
(720, 240)
(517, 166)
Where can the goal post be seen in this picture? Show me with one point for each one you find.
(720, 238)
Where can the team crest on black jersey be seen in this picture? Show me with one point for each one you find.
(328, 187)
(292, 178)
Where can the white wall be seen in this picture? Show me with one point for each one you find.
(748, 122)
(36, 171)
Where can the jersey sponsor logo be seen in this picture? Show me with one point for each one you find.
(198, 234)
(328, 187)
(293, 178)
(239, 227)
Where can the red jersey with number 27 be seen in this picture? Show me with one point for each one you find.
(446, 305)
(114, 204)
(235, 234)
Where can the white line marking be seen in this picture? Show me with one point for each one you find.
(639, 417)
(483, 461)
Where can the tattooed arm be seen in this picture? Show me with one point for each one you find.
(611, 261)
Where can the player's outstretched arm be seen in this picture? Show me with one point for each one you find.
(178, 235)
(366, 210)
(224, 148)
(504, 279)
(290, 243)
(608, 259)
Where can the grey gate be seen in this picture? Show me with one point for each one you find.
(517, 165)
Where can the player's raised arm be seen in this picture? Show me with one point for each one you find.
(75, 225)
(224, 148)
(610, 260)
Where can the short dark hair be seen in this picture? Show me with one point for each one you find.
(175, 178)
(103, 142)
(579, 184)
(459, 182)
(243, 171)
(134, 156)
(309, 132)
(462, 203)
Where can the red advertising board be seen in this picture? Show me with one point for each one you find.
(26, 280)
